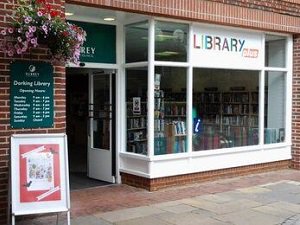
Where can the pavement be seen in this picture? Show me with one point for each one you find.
(271, 198)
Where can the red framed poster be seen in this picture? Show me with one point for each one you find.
(39, 174)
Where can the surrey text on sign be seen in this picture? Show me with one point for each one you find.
(100, 44)
(31, 94)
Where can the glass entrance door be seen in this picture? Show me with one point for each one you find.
(101, 117)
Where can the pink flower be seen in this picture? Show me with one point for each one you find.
(28, 34)
(32, 29)
(3, 32)
(33, 41)
(45, 29)
(19, 51)
(10, 30)
(39, 13)
(10, 52)
(24, 49)
(28, 19)
(19, 39)
(19, 30)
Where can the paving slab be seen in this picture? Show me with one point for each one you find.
(150, 220)
(254, 190)
(189, 218)
(180, 208)
(281, 205)
(275, 211)
(216, 198)
(89, 220)
(126, 214)
(227, 207)
(249, 217)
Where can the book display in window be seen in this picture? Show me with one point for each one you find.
(169, 121)
(137, 126)
(229, 119)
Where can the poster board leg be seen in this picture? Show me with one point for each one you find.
(13, 222)
(69, 217)
(56, 218)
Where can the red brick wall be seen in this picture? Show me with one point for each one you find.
(296, 103)
(241, 13)
(5, 130)
(164, 182)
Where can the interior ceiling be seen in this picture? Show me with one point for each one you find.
(97, 14)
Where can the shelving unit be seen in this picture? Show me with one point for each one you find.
(229, 119)
(137, 129)
(169, 124)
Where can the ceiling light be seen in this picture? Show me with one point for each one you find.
(166, 53)
(69, 13)
(109, 19)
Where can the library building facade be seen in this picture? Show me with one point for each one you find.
(171, 92)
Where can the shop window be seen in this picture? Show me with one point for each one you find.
(136, 104)
(136, 45)
(171, 41)
(225, 108)
(275, 90)
(275, 51)
(169, 110)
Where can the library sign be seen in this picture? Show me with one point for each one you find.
(100, 44)
(223, 48)
(31, 98)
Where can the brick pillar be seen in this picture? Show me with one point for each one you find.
(5, 129)
(296, 104)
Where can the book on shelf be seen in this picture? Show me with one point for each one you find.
(139, 122)
(179, 128)
(270, 135)
(140, 148)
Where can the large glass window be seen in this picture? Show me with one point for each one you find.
(169, 110)
(136, 42)
(275, 51)
(274, 107)
(225, 108)
(136, 101)
(171, 41)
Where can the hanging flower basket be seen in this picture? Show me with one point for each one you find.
(37, 24)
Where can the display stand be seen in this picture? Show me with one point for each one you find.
(39, 175)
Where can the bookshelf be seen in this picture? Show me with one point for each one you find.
(169, 122)
(137, 128)
(229, 118)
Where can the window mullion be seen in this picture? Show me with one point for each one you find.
(151, 88)
(261, 107)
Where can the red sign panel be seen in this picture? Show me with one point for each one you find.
(39, 172)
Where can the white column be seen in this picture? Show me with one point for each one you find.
(289, 90)
(189, 118)
(151, 38)
(120, 99)
(261, 121)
